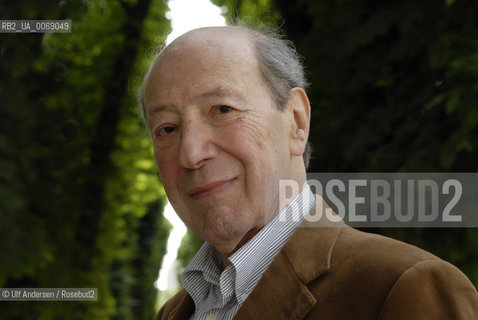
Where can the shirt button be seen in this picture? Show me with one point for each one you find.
(211, 316)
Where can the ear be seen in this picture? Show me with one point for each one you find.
(299, 110)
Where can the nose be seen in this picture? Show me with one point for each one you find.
(196, 145)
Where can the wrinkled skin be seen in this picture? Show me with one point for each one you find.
(217, 135)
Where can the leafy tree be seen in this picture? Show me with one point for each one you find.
(190, 244)
(80, 198)
(253, 12)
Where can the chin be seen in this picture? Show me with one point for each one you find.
(226, 248)
(224, 239)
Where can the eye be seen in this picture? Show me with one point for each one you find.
(224, 109)
(166, 130)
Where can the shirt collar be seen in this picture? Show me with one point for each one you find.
(254, 257)
(251, 260)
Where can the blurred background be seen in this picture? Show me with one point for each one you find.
(393, 87)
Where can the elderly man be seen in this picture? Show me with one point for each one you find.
(226, 109)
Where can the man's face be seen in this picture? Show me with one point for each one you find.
(216, 135)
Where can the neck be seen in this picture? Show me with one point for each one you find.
(295, 180)
(248, 236)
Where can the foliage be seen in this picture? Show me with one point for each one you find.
(253, 12)
(190, 244)
(80, 198)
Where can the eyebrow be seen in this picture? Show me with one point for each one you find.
(161, 107)
(221, 91)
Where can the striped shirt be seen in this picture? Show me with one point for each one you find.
(218, 293)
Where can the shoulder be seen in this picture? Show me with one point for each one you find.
(390, 278)
(374, 261)
(362, 263)
(434, 286)
(357, 248)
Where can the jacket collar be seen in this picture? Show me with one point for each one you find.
(282, 292)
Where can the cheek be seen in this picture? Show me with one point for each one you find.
(167, 167)
(247, 136)
(241, 144)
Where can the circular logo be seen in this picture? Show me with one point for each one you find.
(5, 294)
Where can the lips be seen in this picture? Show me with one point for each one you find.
(210, 188)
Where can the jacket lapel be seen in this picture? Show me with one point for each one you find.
(279, 294)
(282, 292)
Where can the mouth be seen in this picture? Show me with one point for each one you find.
(210, 189)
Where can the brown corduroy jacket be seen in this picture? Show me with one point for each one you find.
(341, 273)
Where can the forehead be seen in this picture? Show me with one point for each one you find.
(215, 42)
(203, 60)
